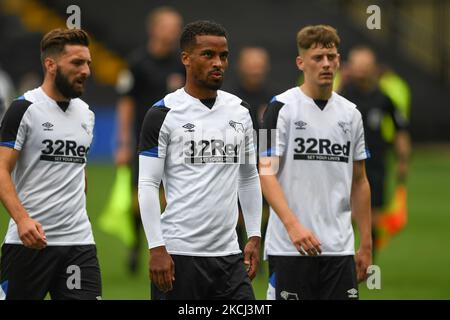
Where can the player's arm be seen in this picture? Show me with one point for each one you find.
(302, 238)
(30, 231)
(125, 118)
(402, 140)
(152, 152)
(250, 198)
(403, 151)
(360, 200)
(161, 265)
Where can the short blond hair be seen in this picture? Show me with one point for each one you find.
(311, 36)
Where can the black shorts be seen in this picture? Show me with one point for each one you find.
(208, 278)
(376, 175)
(66, 272)
(313, 278)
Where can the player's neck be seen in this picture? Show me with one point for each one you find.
(317, 93)
(198, 92)
(48, 86)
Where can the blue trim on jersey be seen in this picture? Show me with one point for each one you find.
(9, 144)
(272, 279)
(153, 152)
(267, 153)
(160, 103)
(20, 98)
(368, 154)
(273, 99)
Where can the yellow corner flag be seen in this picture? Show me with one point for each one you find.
(116, 218)
(394, 218)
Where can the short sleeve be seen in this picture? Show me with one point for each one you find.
(14, 127)
(272, 140)
(360, 150)
(91, 124)
(253, 114)
(154, 136)
(400, 122)
(250, 147)
(129, 79)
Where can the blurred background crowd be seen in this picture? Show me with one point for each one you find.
(135, 63)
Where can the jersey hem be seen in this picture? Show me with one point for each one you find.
(345, 253)
(204, 254)
(56, 243)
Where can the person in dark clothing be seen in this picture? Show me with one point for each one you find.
(361, 87)
(253, 69)
(154, 71)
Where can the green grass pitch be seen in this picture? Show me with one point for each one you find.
(414, 265)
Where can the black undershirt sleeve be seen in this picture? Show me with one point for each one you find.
(11, 122)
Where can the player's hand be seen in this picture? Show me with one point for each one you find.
(123, 155)
(251, 256)
(161, 269)
(304, 240)
(363, 259)
(31, 233)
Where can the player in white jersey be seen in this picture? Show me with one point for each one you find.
(45, 137)
(313, 176)
(199, 142)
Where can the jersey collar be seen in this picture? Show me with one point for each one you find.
(212, 107)
(63, 105)
(311, 100)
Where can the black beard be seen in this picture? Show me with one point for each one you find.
(210, 84)
(64, 87)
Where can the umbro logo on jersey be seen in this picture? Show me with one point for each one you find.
(345, 126)
(239, 127)
(289, 295)
(352, 293)
(190, 127)
(300, 125)
(48, 126)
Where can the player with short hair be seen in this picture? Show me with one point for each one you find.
(154, 70)
(313, 177)
(199, 141)
(45, 137)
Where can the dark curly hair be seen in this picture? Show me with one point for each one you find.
(200, 28)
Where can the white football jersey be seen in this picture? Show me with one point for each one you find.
(53, 140)
(317, 148)
(203, 148)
